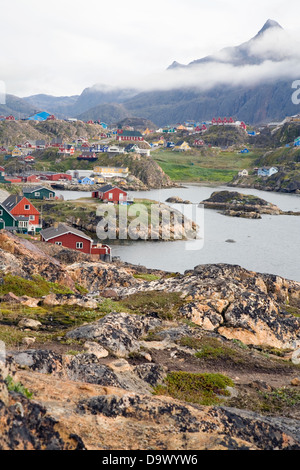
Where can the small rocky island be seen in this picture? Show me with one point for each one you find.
(234, 204)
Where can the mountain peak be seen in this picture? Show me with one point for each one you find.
(269, 24)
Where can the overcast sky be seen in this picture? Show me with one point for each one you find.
(63, 46)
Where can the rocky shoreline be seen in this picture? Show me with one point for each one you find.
(113, 360)
(235, 204)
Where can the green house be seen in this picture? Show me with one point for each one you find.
(38, 192)
(9, 222)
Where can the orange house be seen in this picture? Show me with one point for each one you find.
(24, 211)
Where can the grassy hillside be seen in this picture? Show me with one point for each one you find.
(206, 165)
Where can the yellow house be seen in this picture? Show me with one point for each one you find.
(16, 153)
(111, 172)
(99, 179)
(159, 142)
(182, 146)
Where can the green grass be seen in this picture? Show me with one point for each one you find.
(210, 349)
(203, 389)
(36, 287)
(164, 304)
(146, 277)
(212, 165)
(17, 387)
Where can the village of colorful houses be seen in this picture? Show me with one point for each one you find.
(18, 213)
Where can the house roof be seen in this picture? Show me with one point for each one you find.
(33, 189)
(62, 229)
(7, 211)
(130, 133)
(11, 202)
(106, 188)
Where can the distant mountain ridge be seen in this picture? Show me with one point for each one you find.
(267, 98)
(239, 55)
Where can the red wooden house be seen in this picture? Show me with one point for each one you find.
(10, 118)
(21, 208)
(69, 237)
(56, 177)
(110, 193)
(32, 179)
(125, 135)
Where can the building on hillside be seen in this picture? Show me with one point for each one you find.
(243, 173)
(181, 146)
(88, 156)
(16, 152)
(57, 142)
(69, 237)
(32, 179)
(38, 192)
(297, 142)
(66, 150)
(63, 177)
(99, 179)
(267, 171)
(43, 116)
(12, 223)
(111, 172)
(135, 148)
(79, 174)
(198, 142)
(109, 193)
(12, 179)
(86, 180)
(29, 159)
(134, 136)
(24, 211)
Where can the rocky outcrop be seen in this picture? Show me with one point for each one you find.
(118, 332)
(17, 255)
(236, 303)
(235, 204)
(177, 200)
(25, 424)
(93, 385)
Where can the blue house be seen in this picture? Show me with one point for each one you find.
(267, 171)
(39, 116)
(297, 142)
(86, 180)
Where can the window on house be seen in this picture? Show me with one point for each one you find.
(1, 212)
(23, 224)
(110, 195)
(37, 194)
(79, 245)
(58, 243)
(121, 196)
(27, 207)
(31, 217)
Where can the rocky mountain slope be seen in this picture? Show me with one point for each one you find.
(132, 358)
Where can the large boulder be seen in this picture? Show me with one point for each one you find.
(117, 332)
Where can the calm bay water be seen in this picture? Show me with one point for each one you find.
(268, 245)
